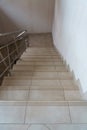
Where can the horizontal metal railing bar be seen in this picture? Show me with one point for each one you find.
(8, 67)
(11, 33)
(1, 75)
(21, 33)
(9, 54)
(8, 44)
(10, 63)
(13, 53)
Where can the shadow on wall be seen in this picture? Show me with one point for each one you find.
(6, 23)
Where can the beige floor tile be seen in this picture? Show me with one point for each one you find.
(23, 67)
(22, 77)
(58, 63)
(47, 114)
(35, 56)
(68, 85)
(73, 95)
(64, 75)
(12, 114)
(21, 73)
(78, 114)
(20, 82)
(61, 69)
(44, 63)
(13, 127)
(37, 59)
(67, 127)
(14, 95)
(56, 57)
(58, 60)
(54, 54)
(38, 127)
(13, 103)
(47, 103)
(14, 88)
(58, 87)
(39, 54)
(26, 63)
(46, 95)
(77, 103)
(45, 83)
(45, 68)
(45, 75)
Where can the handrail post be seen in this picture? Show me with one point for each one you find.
(9, 60)
(2, 59)
(16, 44)
(26, 43)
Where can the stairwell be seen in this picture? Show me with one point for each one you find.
(41, 94)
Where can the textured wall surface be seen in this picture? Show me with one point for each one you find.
(34, 15)
(70, 35)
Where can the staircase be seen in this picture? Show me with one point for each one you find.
(41, 94)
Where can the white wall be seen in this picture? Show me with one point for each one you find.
(34, 15)
(70, 35)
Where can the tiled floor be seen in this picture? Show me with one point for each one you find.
(41, 93)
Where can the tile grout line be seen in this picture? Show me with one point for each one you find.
(43, 123)
(69, 113)
(68, 104)
(63, 90)
(27, 103)
(28, 99)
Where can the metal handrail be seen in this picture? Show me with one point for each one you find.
(11, 33)
(20, 43)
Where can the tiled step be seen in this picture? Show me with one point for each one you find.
(43, 112)
(21, 73)
(42, 49)
(39, 59)
(54, 63)
(44, 75)
(12, 112)
(41, 72)
(39, 93)
(69, 84)
(42, 68)
(44, 127)
(49, 56)
(23, 67)
(42, 54)
(20, 87)
(50, 69)
(16, 82)
(25, 95)
(14, 95)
